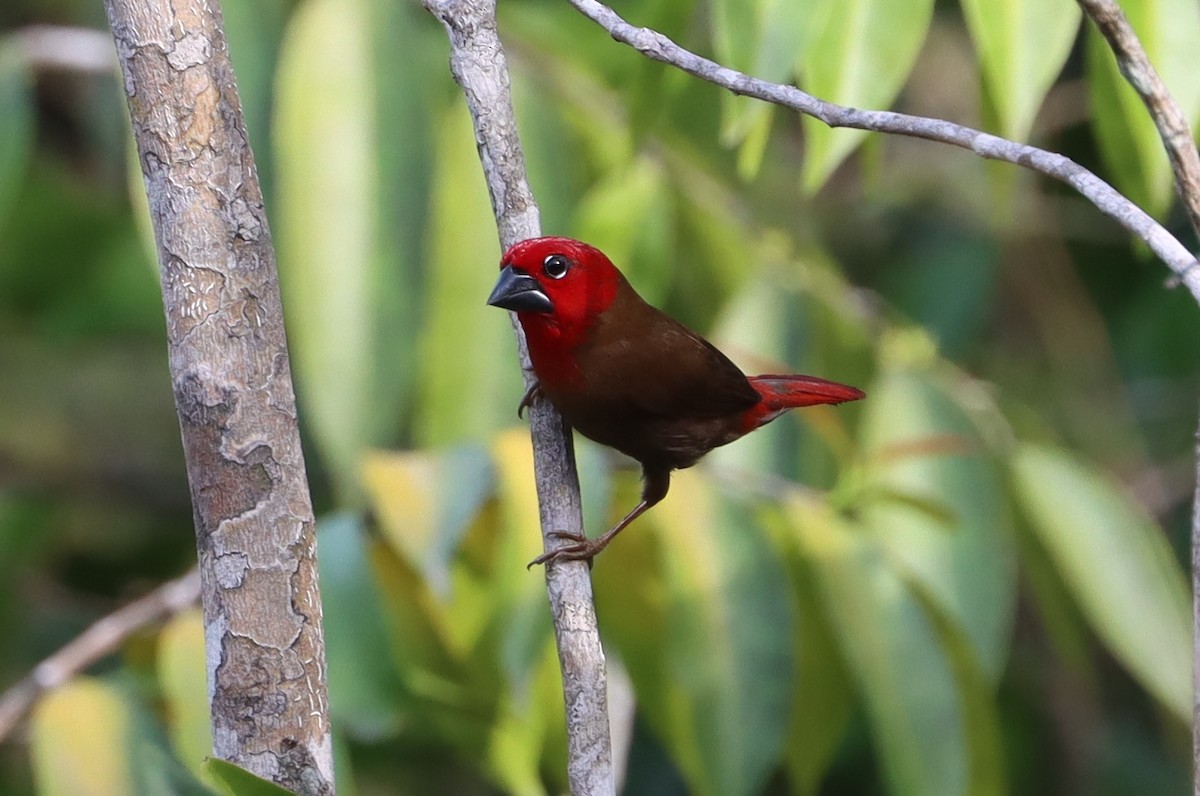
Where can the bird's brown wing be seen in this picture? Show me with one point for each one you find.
(656, 364)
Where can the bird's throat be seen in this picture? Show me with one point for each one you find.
(552, 352)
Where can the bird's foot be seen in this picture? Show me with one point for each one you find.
(580, 549)
(531, 396)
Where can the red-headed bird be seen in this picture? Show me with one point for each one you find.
(627, 376)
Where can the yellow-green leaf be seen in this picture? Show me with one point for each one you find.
(763, 38)
(81, 740)
(728, 642)
(1117, 565)
(860, 57)
(629, 216)
(238, 781)
(324, 138)
(939, 507)
(181, 671)
(1022, 46)
(894, 653)
(470, 382)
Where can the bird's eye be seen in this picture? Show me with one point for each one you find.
(555, 266)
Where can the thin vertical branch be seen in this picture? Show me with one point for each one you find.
(233, 392)
(1168, 117)
(478, 64)
(1176, 134)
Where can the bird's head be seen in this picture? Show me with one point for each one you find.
(557, 285)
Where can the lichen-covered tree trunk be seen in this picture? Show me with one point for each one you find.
(233, 391)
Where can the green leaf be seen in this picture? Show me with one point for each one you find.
(181, 671)
(434, 515)
(1128, 140)
(82, 742)
(1022, 46)
(516, 595)
(240, 782)
(861, 57)
(467, 349)
(894, 653)
(426, 501)
(328, 199)
(363, 684)
(823, 697)
(978, 700)
(527, 720)
(629, 216)
(1117, 564)
(728, 642)
(16, 123)
(763, 38)
(920, 444)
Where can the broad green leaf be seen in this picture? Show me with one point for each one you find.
(328, 199)
(728, 642)
(363, 684)
(1116, 564)
(1128, 140)
(792, 316)
(16, 123)
(714, 241)
(525, 723)
(181, 672)
(1022, 46)
(238, 781)
(861, 57)
(82, 742)
(763, 38)
(470, 382)
(822, 695)
(629, 216)
(894, 654)
(408, 61)
(553, 162)
(753, 331)
(939, 507)
(978, 698)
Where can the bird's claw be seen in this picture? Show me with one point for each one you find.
(580, 549)
(532, 395)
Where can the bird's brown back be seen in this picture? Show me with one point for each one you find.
(653, 389)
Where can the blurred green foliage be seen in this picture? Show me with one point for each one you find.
(968, 583)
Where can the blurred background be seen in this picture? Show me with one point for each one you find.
(971, 582)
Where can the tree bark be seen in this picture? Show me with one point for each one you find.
(233, 392)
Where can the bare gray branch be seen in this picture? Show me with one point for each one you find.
(478, 64)
(102, 638)
(657, 46)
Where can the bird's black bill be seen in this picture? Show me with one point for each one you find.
(519, 292)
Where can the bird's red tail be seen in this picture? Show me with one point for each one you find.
(781, 393)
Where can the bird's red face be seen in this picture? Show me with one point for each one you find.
(557, 287)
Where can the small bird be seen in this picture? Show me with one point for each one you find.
(626, 375)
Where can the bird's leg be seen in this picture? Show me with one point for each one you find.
(533, 394)
(657, 481)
